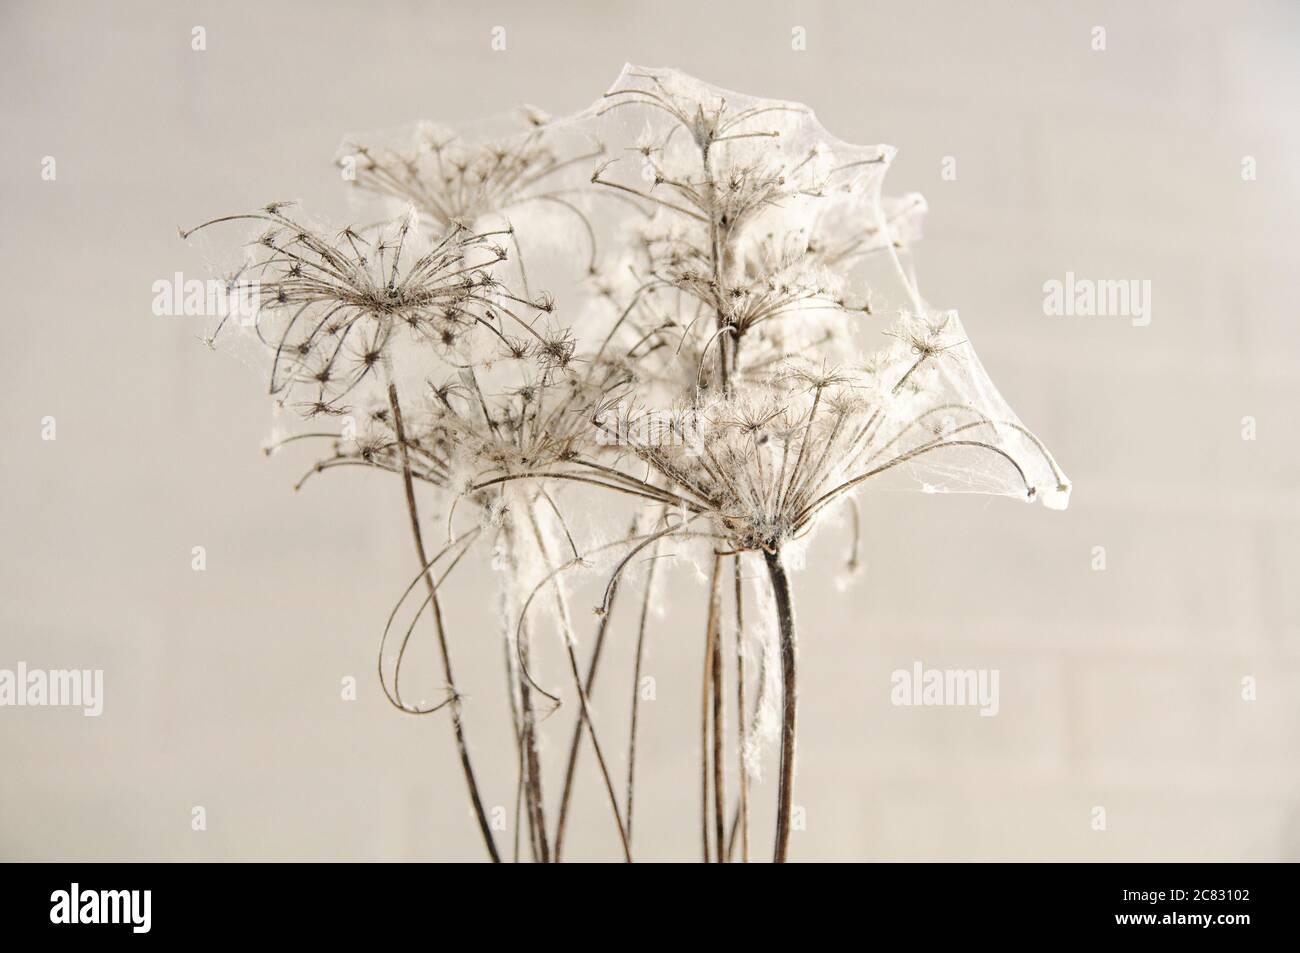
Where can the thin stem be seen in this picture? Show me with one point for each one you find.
(575, 743)
(719, 722)
(636, 691)
(562, 611)
(755, 712)
(456, 721)
(532, 763)
(740, 712)
(706, 689)
(517, 724)
(521, 715)
(716, 264)
(530, 760)
(789, 702)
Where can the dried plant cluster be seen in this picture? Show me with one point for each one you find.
(730, 344)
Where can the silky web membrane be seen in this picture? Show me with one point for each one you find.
(609, 214)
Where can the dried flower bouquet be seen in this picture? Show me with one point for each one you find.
(730, 344)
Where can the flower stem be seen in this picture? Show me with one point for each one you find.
(716, 673)
(789, 701)
(706, 687)
(575, 743)
(436, 607)
(562, 612)
(532, 762)
(530, 775)
(636, 690)
(743, 807)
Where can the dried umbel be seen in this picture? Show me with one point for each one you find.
(737, 346)
(330, 307)
(453, 180)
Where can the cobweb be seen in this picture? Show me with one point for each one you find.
(614, 214)
(819, 218)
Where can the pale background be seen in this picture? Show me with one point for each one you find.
(1120, 688)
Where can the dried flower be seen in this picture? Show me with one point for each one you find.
(750, 350)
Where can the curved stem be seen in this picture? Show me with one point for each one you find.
(789, 702)
(456, 722)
